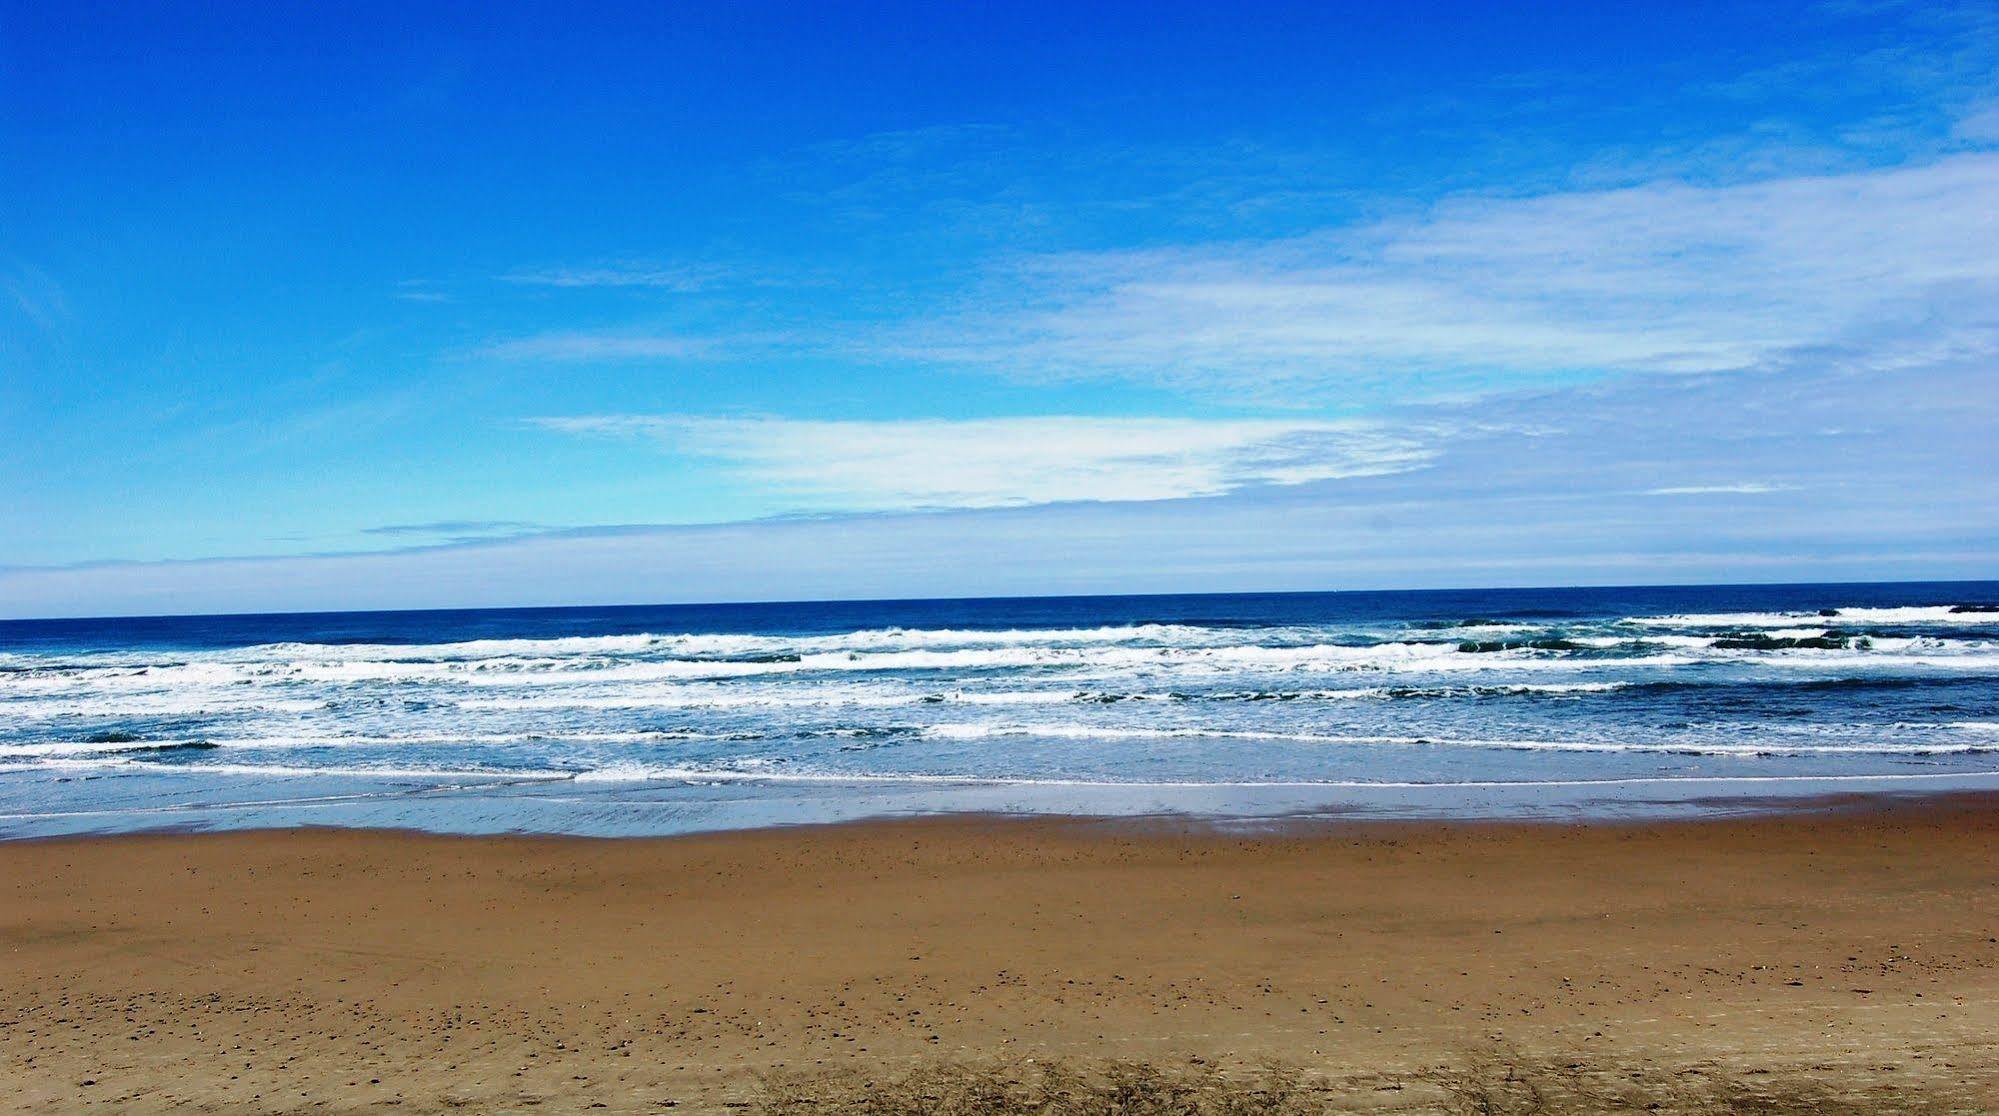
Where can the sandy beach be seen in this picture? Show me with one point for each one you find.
(1847, 956)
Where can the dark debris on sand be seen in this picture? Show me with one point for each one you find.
(1482, 1086)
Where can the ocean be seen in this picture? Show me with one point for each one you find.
(1559, 703)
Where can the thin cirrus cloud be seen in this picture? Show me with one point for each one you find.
(1474, 295)
(452, 529)
(1980, 124)
(1484, 293)
(678, 277)
(1746, 488)
(577, 346)
(1002, 462)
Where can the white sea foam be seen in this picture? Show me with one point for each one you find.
(140, 747)
(983, 731)
(173, 704)
(1113, 705)
(220, 683)
(477, 779)
(736, 644)
(130, 766)
(831, 698)
(1923, 615)
(1135, 673)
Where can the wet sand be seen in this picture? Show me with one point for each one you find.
(1852, 951)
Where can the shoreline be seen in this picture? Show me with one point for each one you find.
(644, 809)
(1847, 947)
(1274, 827)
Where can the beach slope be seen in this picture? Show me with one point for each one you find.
(1846, 958)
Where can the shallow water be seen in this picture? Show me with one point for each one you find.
(1578, 702)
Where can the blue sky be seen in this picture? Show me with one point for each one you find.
(428, 305)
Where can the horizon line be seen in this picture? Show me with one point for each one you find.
(9, 620)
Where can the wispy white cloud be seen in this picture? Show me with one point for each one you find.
(1746, 488)
(674, 277)
(453, 529)
(982, 463)
(1472, 295)
(1477, 291)
(1886, 475)
(35, 294)
(1980, 124)
(421, 290)
(571, 346)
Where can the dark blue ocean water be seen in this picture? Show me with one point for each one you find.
(660, 719)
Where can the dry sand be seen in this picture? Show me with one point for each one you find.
(1839, 953)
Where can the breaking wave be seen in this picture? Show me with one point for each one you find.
(1575, 688)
